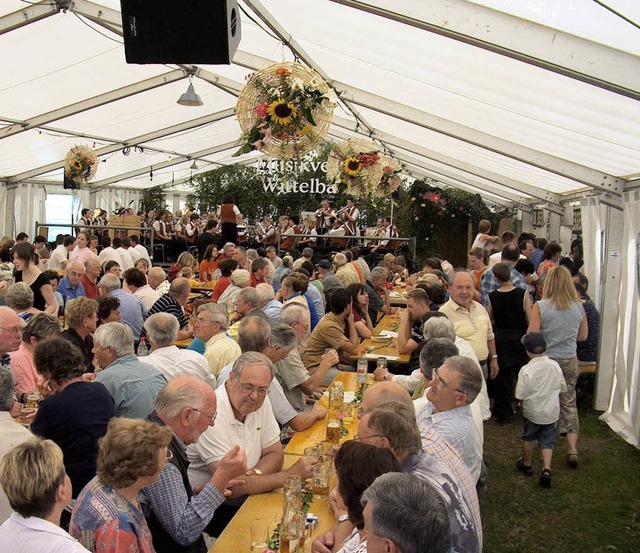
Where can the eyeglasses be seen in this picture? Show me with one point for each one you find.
(248, 389)
(12, 330)
(440, 384)
(169, 455)
(212, 417)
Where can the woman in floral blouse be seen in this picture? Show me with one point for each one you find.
(107, 516)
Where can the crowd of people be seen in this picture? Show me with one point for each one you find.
(139, 443)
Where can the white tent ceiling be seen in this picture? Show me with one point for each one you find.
(521, 101)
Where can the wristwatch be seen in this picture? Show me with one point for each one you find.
(343, 518)
(257, 471)
(494, 356)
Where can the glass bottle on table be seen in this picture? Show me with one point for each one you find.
(289, 524)
(362, 368)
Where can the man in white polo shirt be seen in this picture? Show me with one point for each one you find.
(244, 417)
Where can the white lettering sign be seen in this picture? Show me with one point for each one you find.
(273, 185)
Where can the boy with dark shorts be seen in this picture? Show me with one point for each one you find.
(539, 384)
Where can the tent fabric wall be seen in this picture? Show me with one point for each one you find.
(593, 215)
(29, 207)
(111, 199)
(623, 414)
(4, 227)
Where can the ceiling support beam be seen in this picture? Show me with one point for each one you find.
(573, 171)
(474, 185)
(136, 141)
(511, 36)
(27, 15)
(107, 18)
(89, 103)
(299, 51)
(463, 166)
(164, 164)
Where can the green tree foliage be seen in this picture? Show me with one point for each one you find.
(431, 213)
(247, 184)
(152, 198)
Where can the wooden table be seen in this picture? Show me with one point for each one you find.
(266, 508)
(316, 433)
(384, 349)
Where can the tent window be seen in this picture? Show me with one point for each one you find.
(58, 208)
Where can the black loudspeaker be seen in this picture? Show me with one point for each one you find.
(69, 184)
(180, 31)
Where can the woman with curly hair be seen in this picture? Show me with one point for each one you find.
(107, 515)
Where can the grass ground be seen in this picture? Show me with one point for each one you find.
(594, 509)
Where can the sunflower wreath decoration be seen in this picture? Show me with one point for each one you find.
(284, 110)
(81, 164)
(390, 181)
(356, 164)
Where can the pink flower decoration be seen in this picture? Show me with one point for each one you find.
(261, 109)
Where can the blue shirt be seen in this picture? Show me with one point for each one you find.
(133, 385)
(273, 310)
(315, 296)
(536, 258)
(197, 345)
(68, 292)
(133, 312)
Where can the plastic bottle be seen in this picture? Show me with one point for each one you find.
(143, 350)
(362, 368)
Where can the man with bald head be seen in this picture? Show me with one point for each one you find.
(92, 271)
(156, 277)
(162, 331)
(177, 517)
(10, 334)
(70, 287)
(472, 322)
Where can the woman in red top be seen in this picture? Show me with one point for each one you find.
(227, 266)
(209, 263)
(360, 306)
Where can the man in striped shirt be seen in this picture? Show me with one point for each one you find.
(173, 302)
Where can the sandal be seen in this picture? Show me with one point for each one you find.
(523, 468)
(572, 460)
(545, 479)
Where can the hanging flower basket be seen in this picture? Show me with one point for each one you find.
(390, 181)
(355, 163)
(284, 110)
(81, 164)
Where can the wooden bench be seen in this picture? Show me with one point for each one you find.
(587, 368)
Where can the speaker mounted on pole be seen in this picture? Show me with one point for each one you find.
(180, 31)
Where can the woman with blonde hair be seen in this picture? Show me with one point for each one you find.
(185, 259)
(561, 319)
(107, 515)
(33, 478)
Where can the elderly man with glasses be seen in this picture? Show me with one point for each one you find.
(245, 417)
(175, 515)
(452, 389)
(10, 334)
